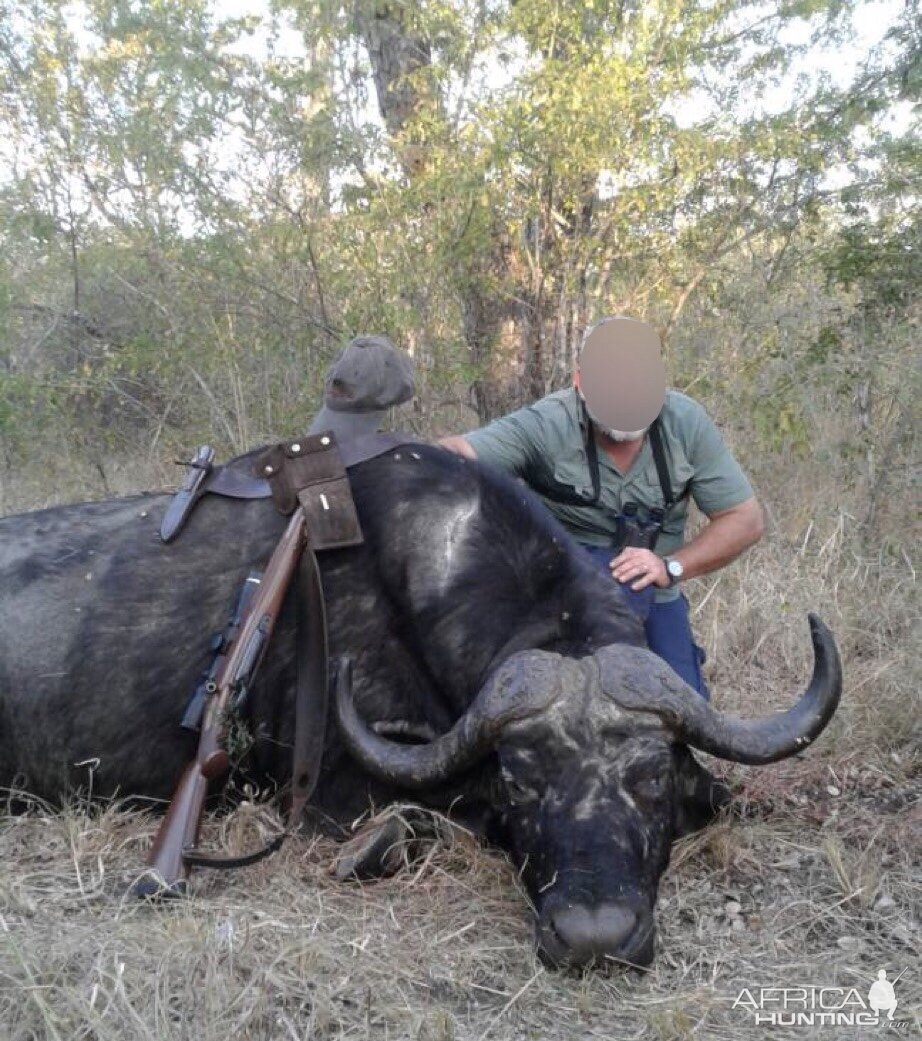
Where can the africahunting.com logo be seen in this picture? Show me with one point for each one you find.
(822, 1006)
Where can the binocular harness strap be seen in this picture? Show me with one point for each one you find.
(562, 493)
(662, 467)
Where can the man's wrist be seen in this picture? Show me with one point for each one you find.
(675, 571)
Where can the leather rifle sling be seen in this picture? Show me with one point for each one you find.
(312, 692)
(197, 858)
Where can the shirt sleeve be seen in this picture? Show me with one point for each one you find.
(718, 482)
(513, 443)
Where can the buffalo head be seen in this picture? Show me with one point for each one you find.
(595, 778)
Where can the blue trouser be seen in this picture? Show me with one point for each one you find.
(667, 626)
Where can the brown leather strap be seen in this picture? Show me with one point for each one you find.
(312, 694)
(370, 446)
(290, 467)
(196, 857)
(234, 482)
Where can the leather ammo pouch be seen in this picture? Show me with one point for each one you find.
(309, 472)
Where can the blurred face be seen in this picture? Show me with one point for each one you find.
(621, 377)
(615, 435)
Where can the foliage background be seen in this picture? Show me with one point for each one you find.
(197, 209)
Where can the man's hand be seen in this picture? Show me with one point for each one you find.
(459, 445)
(641, 565)
(728, 534)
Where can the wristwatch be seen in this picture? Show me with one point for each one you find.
(674, 569)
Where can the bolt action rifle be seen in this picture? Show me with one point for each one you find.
(220, 646)
(174, 850)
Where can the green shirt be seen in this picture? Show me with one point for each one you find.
(546, 441)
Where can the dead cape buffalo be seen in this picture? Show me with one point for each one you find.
(469, 616)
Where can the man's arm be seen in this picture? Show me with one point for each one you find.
(723, 494)
(513, 443)
(729, 533)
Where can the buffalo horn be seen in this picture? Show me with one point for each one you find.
(519, 688)
(752, 742)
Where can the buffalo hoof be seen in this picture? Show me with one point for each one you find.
(390, 841)
(378, 849)
(152, 887)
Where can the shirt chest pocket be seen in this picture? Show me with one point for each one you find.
(645, 488)
(572, 470)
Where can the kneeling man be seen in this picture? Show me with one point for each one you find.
(616, 458)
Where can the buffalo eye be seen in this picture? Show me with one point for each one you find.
(516, 789)
(651, 788)
(648, 788)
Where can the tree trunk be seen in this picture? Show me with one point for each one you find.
(398, 54)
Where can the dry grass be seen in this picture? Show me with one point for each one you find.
(800, 887)
(50, 482)
(813, 878)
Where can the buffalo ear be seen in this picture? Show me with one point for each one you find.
(699, 794)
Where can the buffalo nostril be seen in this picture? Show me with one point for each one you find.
(591, 932)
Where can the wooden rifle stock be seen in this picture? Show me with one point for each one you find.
(168, 871)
